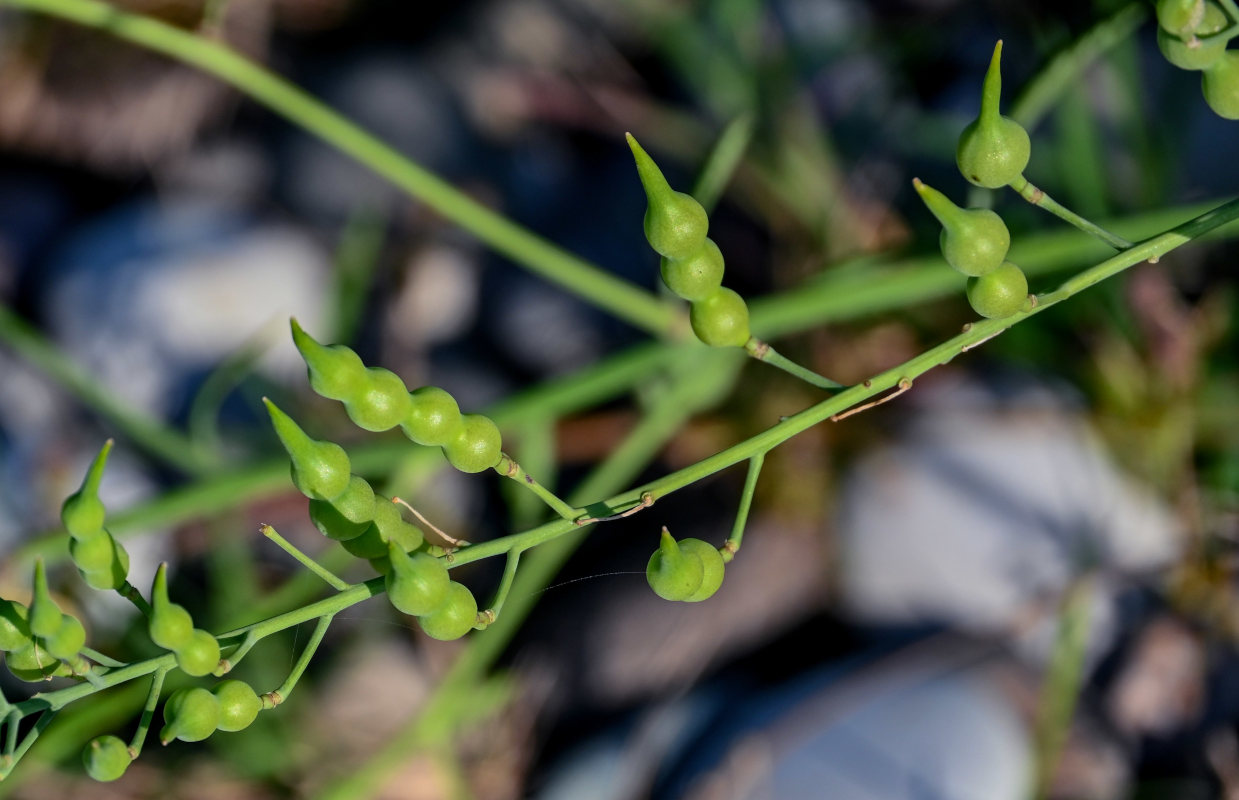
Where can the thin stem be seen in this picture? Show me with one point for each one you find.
(723, 160)
(1232, 10)
(764, 352)
(318, 569)
(746, 502)
(286, 688)
(505, 586)
(10, 738)
(618, 297)
(13, 755)
(1040, 199)
(234, 657)
(508, 468)
(101, 659)
(148, 713)
(130, 592)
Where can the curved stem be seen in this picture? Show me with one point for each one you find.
(148, 713)
(508, 468)
(286, 688)
(313, 566)
(765, 353)
(1040, 199)
(734, 541)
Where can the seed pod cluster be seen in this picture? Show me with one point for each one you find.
(1193, 35)
(101, 560)
(172, 628)
(993, 150)
(692, 265)
(193, 713)
(377, 400)
(418, 585)
(689, 570)
(40, 641)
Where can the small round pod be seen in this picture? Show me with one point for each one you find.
(1220, 85)
(200, 655)
(721, 320)
(712, 568)
(455, 617)
(380, 401)
(673, 572)
(478, 445)
(14, 630)
(1000, 293)
(993, 150)
(434, 417)
(675, 224)
(44, 615)
(100, 556)
(320, 470)
(417, 584)
(33, 664)
(68, 640)
(239, 705)
(106, 758)
(974, 241)
(1192, 52)
(171, 626)
(335, 370)
(696, 276)
(190, 714)
(82, 513)
(1180, 17)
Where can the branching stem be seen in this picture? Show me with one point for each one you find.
(762, 351)
(148, 713)
(313, 566)
(732, 545)
(508, 468)
(1042, 200)
(316, 638)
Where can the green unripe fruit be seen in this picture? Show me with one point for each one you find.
(1191, 52)
(200, 655)
(675, 223)
(238, 705)
(1000, 293)
(712, 568)
(33, 664)
(434, 417)
(380, 401)
(320, 470)
(68, 641)
(170, 626)
(454, 618)
(417, 584)
(673, 572)
(697, 276)
(335, 371)
(477, 446)
(1220, 84)
(974, 241)
(1180, 17)
(356, 503)
(393, 528)
(14, 630)
(993, 150)
(106, 758)
(44, 616)
(82, 513)
(190, 714)
(721, 320)
(102, 561)
(369, 545)
(332, 524)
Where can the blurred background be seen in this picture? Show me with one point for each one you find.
(1013, 581)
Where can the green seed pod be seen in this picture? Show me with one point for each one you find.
(392, 526)
(106, 758)
(434, 417)
(332, 524)
(712, 565)
(675, 223)
(993, 150)
(380, 401)
(335, 371)
(1000, 293)
(82, 512)
(356, 503)
(101, 549)
(170, 627)
(721, 320)
(67, 641)
(416, 585)
(454, 618)
(974, 241)
(33, 664)
(190, 714)
(238, 705)
(14, 630)
(200, 655)
(697, 276)
(477, 446)
(673, 572)
(1180, 17)
(44, 617)
(320, 470)
(1192, 52)
(1220, 84)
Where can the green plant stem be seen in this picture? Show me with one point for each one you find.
(638, 307)
(130, 592)
(765, 353)
(723, 160)
(1042, 200)
(746, 502)
(505, 585)
(234, 656)
(281, 694)
(14, 751)
(13, 719)
(508, 468)
(1232, 9)
(148, 712)
(313, 566)
(100, 659)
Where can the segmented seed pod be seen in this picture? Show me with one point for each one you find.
(1220, 85)
(332, 524)
(320, 470)
(696, 276)
(673, 572)
(1192, 52)
(712, 568)
(392, 527)
(200, 655)
(170, 626)
(993, 150)
(417, 584)
(974, 241)
(477, 446)
(434, 417)
(106, 758)
(82, 513)
(1180, 17)
(335, 371)
(721, 320)
(675, 223)
(238, 705)
(455, 617)
(1000, 293)
(14, 629)
(68, 640)
(44, 615)
(33, 664)
(101, 560)
(190, 714)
